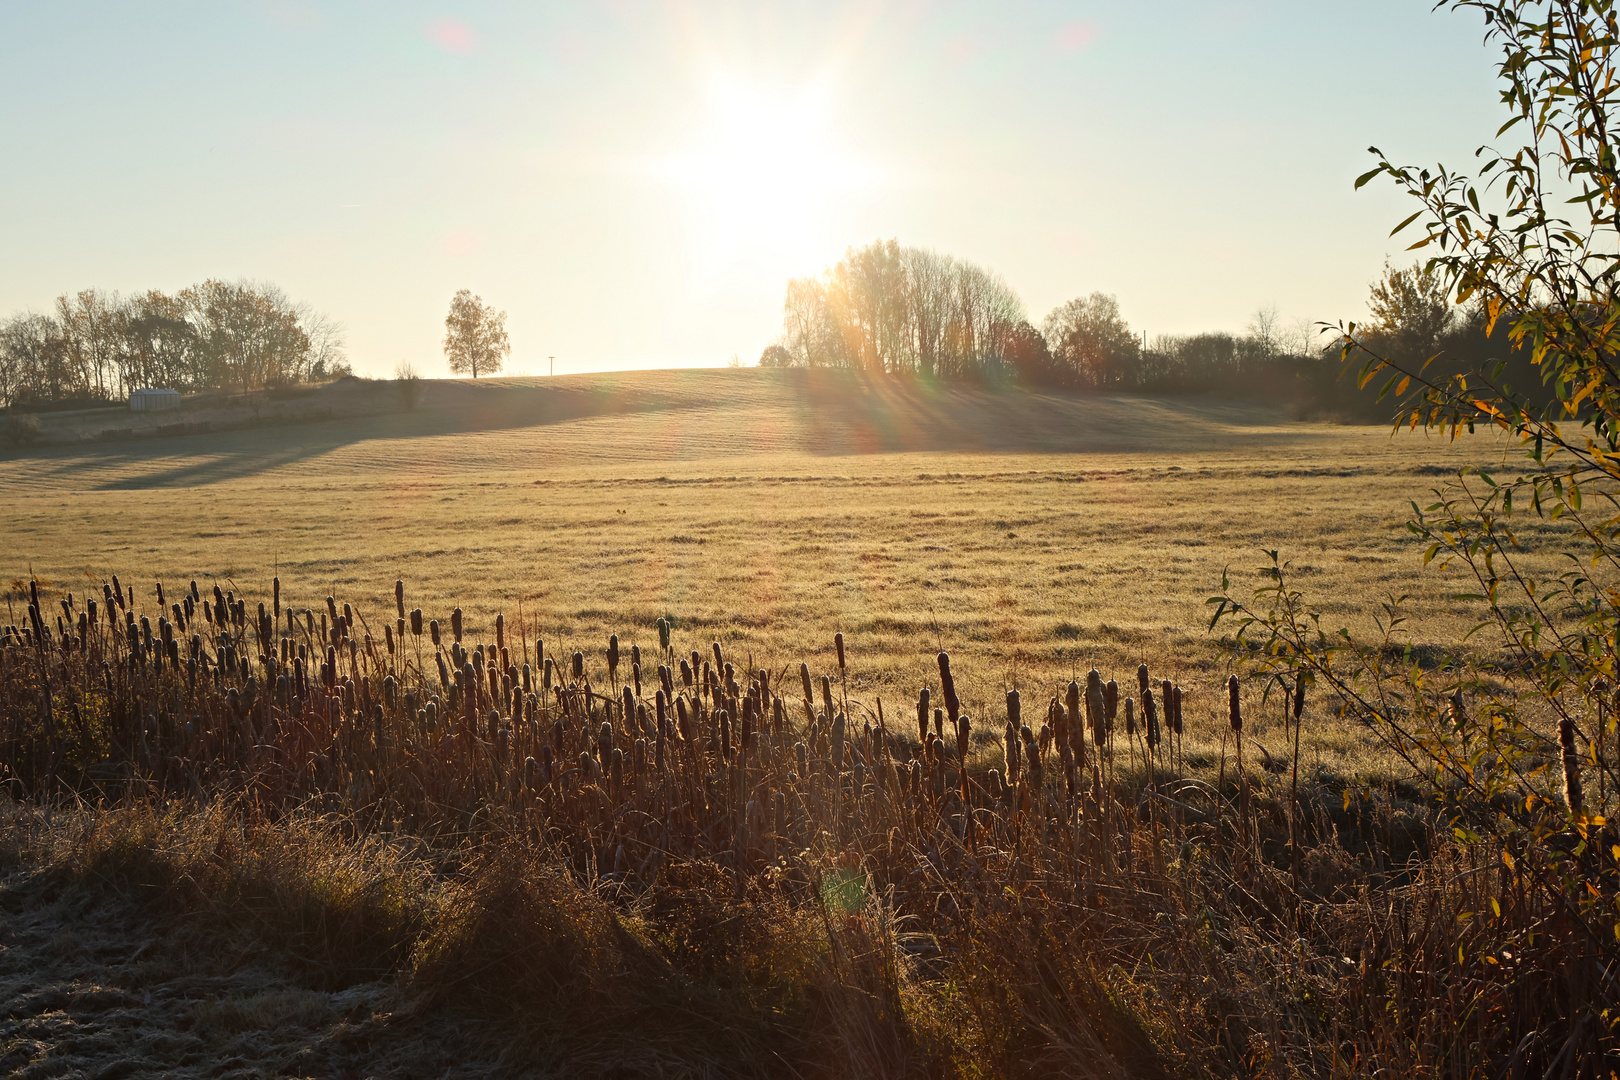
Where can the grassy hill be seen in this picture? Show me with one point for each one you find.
(650, 416)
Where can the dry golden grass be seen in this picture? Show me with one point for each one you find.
(473, 870)
(1030, 535)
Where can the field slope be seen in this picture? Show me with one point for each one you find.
(1030, 534)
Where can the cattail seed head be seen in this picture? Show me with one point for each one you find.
(613, 654)
(1032, 756)
(399, 596)
(1150, 719)
(1096, 706)
(1234, 707)
(579, 665)
(719, 661)
(1141, 679)
(1175, 711)
(416, 624)
(1299, 696)
(838, 644)
(433, 631)
(1573, 797)
(455, 624)
(1015, 708)
(1130, 716)
(683, 721)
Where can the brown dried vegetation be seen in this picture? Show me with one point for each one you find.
(661, 858)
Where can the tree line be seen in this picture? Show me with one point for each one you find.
(96, 346)
(894, 310)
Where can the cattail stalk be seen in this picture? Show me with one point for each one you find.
(1293, 785)
(1234, 712)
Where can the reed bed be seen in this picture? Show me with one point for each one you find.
(1041, 891)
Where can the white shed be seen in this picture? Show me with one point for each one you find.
(153, 400)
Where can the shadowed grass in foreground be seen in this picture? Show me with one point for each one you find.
(665, 863)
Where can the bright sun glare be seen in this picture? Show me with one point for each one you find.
(764, 176)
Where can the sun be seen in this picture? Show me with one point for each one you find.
(764, 176)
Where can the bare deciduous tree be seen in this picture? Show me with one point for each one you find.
(1263, 331)
(327, 357)
(410, 384)
(1305, 338)
(89, 333)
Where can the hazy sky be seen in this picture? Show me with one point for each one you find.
(635, 181)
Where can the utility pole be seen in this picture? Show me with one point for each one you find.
(553, 360)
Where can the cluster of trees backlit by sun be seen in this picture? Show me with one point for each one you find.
(889, 309)
(892, 309)
(218, 335)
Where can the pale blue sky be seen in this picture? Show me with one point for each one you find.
(634, 182)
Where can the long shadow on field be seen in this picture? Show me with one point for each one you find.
(822, 412)
(449, 408)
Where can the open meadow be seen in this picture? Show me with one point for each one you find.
(1138, 641)
(1032, 536)
(298, 834)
